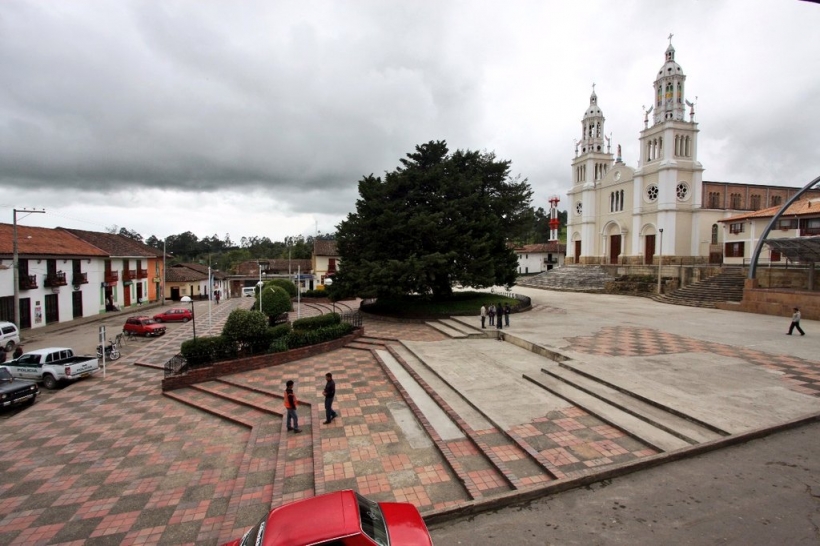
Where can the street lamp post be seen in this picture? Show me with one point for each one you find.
(259, 285)
(187, 299)
(329, 282)
(660, 259)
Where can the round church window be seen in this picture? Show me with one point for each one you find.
(579, 207)
(652, 192)
(682, 191)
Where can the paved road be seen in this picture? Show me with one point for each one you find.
(764, 492)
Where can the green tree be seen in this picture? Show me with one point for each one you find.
(437, 220)
(244, 329)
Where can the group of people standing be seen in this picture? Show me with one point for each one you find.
(329, 393)
(498, 314)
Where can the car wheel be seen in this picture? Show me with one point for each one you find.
(185, 319)
(49, 382)
(9, 346)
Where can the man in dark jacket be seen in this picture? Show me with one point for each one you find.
(329, 393)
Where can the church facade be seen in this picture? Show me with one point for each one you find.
(661, 211)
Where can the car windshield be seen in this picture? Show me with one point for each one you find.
(149, 321)
(372, 520)
(5, 375)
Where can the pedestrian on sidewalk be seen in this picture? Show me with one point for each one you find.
(499, 319)
(483, 314)
(290, 406)
(507, 311)
(796, 323)
(216, 295)
(492, 314)
(329, 393)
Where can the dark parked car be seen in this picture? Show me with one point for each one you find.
(16, 391)
(143, 326)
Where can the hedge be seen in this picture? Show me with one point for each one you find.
(317, 322)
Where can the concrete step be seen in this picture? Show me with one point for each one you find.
(464, 328)
(649, 434)
(685, 429)
(446, 330)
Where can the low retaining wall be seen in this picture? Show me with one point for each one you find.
(776, 301)
(228, 367)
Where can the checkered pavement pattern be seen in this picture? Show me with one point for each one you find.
(800, 375)
(114, 461)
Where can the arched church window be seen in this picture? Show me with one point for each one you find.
(714, 234)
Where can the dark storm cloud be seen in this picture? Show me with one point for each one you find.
(200, 96)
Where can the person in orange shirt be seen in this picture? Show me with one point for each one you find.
(290, 406)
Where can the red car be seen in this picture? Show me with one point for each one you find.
(340, 518)
(143, 326)
(174, 314)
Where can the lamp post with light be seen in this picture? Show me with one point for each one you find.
(259, 285)
(329, 282)
(660, 259)
(187, 299)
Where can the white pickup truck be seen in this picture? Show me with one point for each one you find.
(52, 366)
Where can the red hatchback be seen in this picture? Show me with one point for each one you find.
(179, 314)
(341, 518)
(143, 326)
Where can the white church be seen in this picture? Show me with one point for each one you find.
(660, 211)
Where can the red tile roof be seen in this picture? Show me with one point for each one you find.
(116, 244)
(801, 207)
(37, 241)
(324, 247)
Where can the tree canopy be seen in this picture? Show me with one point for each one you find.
(439, 219)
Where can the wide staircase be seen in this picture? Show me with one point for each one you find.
(570, 278)
(725, 286)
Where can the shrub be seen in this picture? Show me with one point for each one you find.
(314, 294)
(245, 329)
(275, 300)
(317, 322)
(303, 338)
(279, 331)
(207, 349)
(285, 284)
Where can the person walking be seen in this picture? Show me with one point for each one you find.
(507, 311)
(483, 314)
(290, 406)
(796, 323)
(492, 314)
(329, 393)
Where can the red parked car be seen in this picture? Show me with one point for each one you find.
(339, 518)
(174, 314)
(143, 326)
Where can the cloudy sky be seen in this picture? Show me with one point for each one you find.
(260, 117)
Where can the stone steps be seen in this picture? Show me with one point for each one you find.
(723, 287)
(570, 278)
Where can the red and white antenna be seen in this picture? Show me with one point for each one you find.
(554, 222)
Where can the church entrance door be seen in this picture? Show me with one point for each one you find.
(614, 248)
(649, 250)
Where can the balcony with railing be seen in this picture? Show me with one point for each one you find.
(28, 282)
(142, 273)
(55, 279)
(112, 276)
(809, 231)
(129, 274)
(79, 278)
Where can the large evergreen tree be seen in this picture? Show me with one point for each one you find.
(437, 220)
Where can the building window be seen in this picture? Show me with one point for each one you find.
(785, 224)
(714, 234)
(754, 202)
(774, 256)
(810, 227)
(616, 201)
(776, 199)
(734, 201)
(579, 207)
(714, 200)
(736, 227)
(652, 193)
(682, 191)
(734, 250)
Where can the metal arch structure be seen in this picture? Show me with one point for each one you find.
(772, 223)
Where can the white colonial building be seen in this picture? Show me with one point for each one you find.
(620, 214)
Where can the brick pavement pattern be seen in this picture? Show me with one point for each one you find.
(114, 461)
